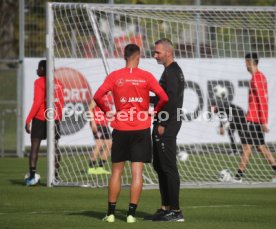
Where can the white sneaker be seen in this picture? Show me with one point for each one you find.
(237, 180)
(109, 218)
(30, 182)
(131, 219)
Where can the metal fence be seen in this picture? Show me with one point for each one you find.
(8, 113)
(7, 131)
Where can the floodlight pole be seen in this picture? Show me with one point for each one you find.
(111, 23)
(20, 75)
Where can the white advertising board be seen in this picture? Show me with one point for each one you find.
(199, 73)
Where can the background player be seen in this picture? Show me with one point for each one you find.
(37, 114)
(233, 121)
(102, 136)
(257, 117)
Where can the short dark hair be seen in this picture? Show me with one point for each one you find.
(41, 71)
(164, 41)
(130, 49)
(252, 56)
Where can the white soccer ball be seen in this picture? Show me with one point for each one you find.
(220, 91)
(183, 156)
(37, 177)
(225, 175)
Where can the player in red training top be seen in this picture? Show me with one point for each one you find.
(37, 114)
(99, 125)
(131, 137)
(257, 117)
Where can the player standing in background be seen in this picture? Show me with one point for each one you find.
(165, 132)
(131, 137)
(37, 116)
(234, 119)
(257, 117)
(102, 136)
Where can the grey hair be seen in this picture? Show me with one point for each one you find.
(166, 42)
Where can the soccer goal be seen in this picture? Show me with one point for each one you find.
(86, 41)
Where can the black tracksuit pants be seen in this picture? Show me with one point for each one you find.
(164, 163)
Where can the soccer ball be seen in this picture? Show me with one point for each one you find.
(220, 91)
(37, 177)
(225, 175)
(183, 156)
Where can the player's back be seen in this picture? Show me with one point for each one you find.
(131, 88)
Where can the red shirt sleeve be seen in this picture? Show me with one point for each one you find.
(158, 90)
(39, 98)
(262, 98)
(101, 92)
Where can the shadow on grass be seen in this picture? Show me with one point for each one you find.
(20, 182)
(119, 214)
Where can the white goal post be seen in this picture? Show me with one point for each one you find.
(85, 42)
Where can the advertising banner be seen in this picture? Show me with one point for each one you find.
(82, 77)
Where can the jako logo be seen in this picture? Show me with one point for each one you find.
(77, 97)
(123, 99)
(135, 99)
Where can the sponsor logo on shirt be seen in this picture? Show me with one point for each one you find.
(135, 99)
(131, 100)
(123, 99)
(135, 81)
(120, 82)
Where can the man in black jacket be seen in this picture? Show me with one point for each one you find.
(164, 134)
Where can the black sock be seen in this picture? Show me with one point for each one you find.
(274, 168)
(239, 174)
(92, 164)
(111, 208)
(131, 209)
(101, 163)
(32, 172)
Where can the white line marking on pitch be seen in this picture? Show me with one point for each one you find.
(43, 212)
(221, 206)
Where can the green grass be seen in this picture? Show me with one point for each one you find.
(42, 207)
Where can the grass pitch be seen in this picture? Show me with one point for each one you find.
(42, 207)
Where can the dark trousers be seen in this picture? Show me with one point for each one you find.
(164, 163)
(231, 134)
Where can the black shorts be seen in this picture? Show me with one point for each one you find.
(39, 129)
(103, 132)
(252, 134)
(134, 146)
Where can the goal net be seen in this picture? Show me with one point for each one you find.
(86, 42)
